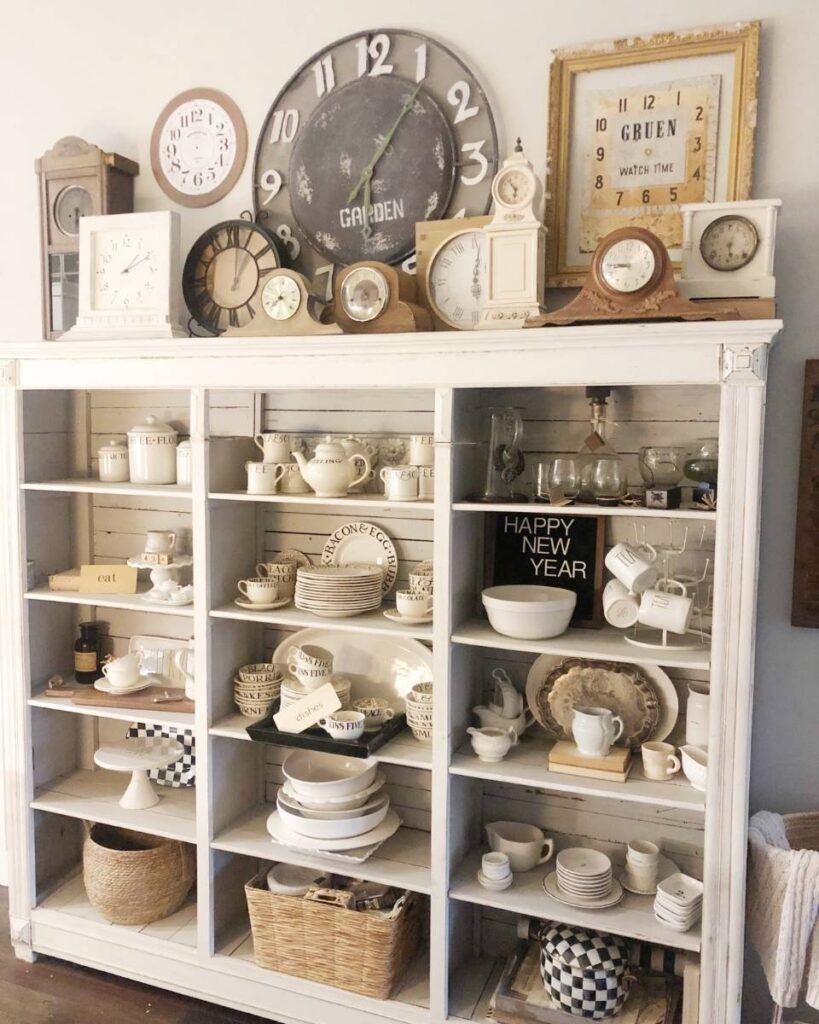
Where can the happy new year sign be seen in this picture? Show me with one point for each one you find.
(550, 550)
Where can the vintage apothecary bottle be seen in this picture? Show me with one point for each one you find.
(87, 654)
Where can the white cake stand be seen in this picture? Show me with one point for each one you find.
(162, 573)
(139, 756)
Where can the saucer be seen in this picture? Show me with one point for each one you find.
(256, 607)
(495, 884)
(665, 868)
(144, 682)
(598, 903)
(395, 616)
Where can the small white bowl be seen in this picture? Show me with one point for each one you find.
(325, 776)
(695, 766)
(529, 611)
(336, 803)
(293, 880)
(330, 813)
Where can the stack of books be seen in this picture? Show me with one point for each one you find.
(615, 766)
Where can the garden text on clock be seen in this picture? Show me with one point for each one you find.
(650, 148)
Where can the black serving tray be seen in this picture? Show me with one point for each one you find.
(315, 738)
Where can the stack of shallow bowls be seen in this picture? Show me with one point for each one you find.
(419, 712)
(678, 903)
(336, 591)
(583, 873)
(292, 690)
(256, 688)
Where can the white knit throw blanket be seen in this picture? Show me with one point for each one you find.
(783, 899)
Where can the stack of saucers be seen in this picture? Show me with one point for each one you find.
(584, 873)
(292, 690)
(678, 903)
(336, 591)
(419, 712)
(256, 688)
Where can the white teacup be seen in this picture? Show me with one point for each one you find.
(495, 866)
(400, 482)
(283, 572)
(292, 482)
(620, 606)
(262, 477)
(343, 725)
(259, 590)
(274, 447)
(376, 712)
(123, 672)
(422, 582)
(634, 569)
(491, 744)
(595, 730)
(311, 665)
(412, 605)
(659, 761)
(426, 483)
(159, 542)
(662, 610)
(642, 862)
(421, 450)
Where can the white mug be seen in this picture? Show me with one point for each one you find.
(376, 712)
(274, 447)
(426, 483)
(258, 590)
(659, 761)
(159, 542)
(414, 606)
(123, 672)
(696, 715)
(642, 863)
(343, 725)
(620, 606)
(595, 730)
(284, 573)
(292, 482)
(662, 610)
(496, 866)
(422, 583)
(633, 568)
(262, 477)
(421, 450)
(400, 482)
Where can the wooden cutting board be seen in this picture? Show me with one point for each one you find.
(142, 701)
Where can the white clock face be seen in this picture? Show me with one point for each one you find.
(281, 297)
(125, 270)
(197, 147)
(457, 279)
(514, 188)
(628, 265)
(729, 243)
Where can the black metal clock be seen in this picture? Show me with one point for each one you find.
(372, 134)
(223, 271)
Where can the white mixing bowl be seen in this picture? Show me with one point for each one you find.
(529, 611)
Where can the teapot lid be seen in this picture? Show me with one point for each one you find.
(583, 949)
(152, 426)
(114, 447)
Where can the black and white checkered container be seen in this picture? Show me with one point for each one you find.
(181, 773)
(585, 972)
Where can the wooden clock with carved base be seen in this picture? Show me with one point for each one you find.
(284, 307)
(371, 297)
(630, 278)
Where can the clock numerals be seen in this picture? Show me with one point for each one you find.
(420, 62)
(325, 75)
(284, 126)
(473, 149)
(270, 183)
(328, 271)
(458, 96)
(378, 49)
(291, 243)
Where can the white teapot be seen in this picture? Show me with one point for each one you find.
(332, 472)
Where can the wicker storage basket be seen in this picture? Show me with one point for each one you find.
(360, 952)
(132, 878)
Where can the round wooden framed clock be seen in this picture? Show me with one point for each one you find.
(372, 134)
(198, 147)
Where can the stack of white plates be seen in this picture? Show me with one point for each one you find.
(335, 591)
(678, 903)
(292, 690)
(584, 874)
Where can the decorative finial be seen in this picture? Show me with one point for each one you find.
(518, 146)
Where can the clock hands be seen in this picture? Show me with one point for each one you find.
(135, 262)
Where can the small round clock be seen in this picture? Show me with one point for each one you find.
(364, 294)
(223, 271)
(729, 243)
(71, 204)
(630, 264)
(198, 147)
(281, 297)
(457, 279)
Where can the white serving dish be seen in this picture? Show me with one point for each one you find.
(529, 611)
(337, 802)
(320, 777)
(328, 828)
(279, 831)
(330, 813)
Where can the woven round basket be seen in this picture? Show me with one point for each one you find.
(132, 878)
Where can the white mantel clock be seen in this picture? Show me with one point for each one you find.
(728, 249)
(516, 242)
(129, 277)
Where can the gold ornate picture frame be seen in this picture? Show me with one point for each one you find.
(638, 126)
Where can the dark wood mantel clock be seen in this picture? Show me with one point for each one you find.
(76, 179)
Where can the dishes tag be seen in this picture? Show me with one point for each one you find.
(108, 579)
(306, 712)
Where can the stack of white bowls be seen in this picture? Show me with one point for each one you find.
(584, 874)
(678, 903)
(335, 591)
(256, 688)
(330, 797)
(419, 712)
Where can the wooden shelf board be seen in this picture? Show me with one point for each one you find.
(402, 861)
(527, 765)
(372, 502)
(607, 643)
(292, 618)
(471, 988)
(95, 795)
(632, 918)
(410, 1003)
(624, 511)
(129, 602)
(79, 486)
(67, 905)
(160, 716)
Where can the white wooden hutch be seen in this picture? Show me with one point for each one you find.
(59, 402)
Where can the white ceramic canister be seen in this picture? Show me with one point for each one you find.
(184, 473)
(696, 715)
(152, 452)
(113, 462)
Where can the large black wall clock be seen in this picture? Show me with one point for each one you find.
(373, 133)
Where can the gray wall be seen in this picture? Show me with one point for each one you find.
(104, 70)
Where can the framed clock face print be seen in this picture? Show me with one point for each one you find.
(198, 147)
(374, 133)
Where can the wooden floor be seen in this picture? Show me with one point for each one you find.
(55, 992)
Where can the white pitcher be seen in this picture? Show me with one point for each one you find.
(594, 730)
(696, 715)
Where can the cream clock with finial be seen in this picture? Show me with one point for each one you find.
(516, 242)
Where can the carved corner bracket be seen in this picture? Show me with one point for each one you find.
(745, 364)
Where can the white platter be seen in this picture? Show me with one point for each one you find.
(663, 687)
(377, 666)
(279, 831)
(611, 900)
(359, 542)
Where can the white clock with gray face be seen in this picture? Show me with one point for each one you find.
(457, 279)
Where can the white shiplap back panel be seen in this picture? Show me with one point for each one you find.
(380, 412)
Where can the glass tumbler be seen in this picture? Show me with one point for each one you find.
(608, 483)
(564, 477)
(541, 487)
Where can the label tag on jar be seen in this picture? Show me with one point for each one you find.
(108, 579)
(301, 714)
